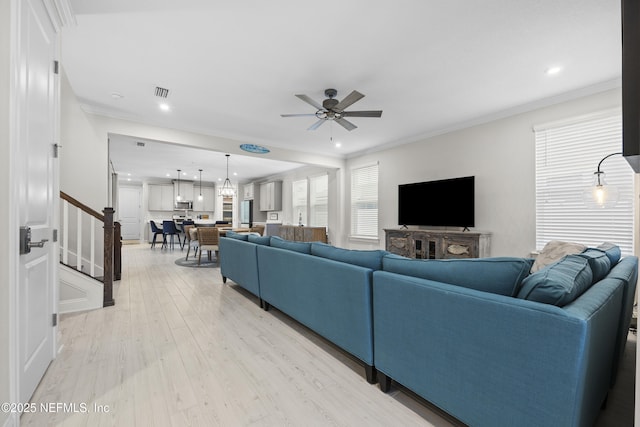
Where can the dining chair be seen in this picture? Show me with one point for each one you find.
(208, 239)
(191, 240)
(169, 229)
(183, 226)
(157, 231)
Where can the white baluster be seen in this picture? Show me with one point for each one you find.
(93, 246)
(79, 242)
(65, 232)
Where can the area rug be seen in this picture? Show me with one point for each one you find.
(193, 262)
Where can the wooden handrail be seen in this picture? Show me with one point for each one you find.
(82, 206)
(112, 245)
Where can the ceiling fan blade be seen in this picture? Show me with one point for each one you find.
(310, 101)
(346, 124)
(317, 124)
(371, 113)
(297, 115)
(348, 100)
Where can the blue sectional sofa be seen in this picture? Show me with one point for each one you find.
(473, 338)
(325, 288)
(483, 339)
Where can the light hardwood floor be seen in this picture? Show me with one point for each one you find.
(180, 348)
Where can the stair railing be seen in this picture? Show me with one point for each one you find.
(84, 250)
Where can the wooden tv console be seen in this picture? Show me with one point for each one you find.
(437, 244)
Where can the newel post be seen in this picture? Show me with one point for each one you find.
(108, 257)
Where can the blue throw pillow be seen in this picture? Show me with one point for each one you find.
(237, 236)
(369, 259)
(302, 247)
(558, 283)
(598, 261)
(613, 252)
(498, 275)
(260, 240)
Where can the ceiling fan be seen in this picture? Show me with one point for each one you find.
(332, 109)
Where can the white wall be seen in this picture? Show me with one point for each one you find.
(501, 156)
(5, 185)
(84, 173)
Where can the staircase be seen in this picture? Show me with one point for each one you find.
(90, 256)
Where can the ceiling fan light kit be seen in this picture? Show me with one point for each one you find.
(332, 109)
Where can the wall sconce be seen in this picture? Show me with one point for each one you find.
(601, 195)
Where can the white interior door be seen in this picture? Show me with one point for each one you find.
(129, 215)
(36, 117)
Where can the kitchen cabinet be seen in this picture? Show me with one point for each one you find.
(271, 196)
(186, 190)
(208, 202)
(160, 197)
(248, 191)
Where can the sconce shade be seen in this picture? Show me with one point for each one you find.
(600, 195)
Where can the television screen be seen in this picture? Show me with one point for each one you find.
(447, 202)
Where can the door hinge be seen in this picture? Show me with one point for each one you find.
(54, 319)
(55, 235)
(56, 66)
(56, 148)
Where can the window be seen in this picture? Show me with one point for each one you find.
(567, 156)
(364, 202)
(299, 199)
(319, 201)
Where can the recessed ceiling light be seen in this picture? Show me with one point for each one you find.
(164, 107)
(553, 70)
(168, 174)
(338, 144)
(116, 95)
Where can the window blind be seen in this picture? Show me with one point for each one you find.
(319, 201)
(364, 202)
(566, 158)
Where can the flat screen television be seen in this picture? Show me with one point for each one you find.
(446, 202)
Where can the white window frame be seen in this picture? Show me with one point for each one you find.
(567, 155)
(364, 202)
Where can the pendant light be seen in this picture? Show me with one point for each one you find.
(200, 196)
(227, 189)
(178, 197)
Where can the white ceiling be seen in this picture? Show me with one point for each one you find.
(233, 67)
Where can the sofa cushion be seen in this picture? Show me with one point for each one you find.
(554, 251)
(558, 283)
(260, 240)
(279, 242)
(369, 259)
(613, 252)
(238, 236)
(498, 275)
(598, 262)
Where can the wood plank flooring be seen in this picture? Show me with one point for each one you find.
(180, 348)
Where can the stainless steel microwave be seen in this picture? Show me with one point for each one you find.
(183, 205)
